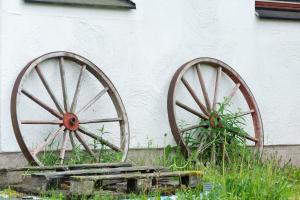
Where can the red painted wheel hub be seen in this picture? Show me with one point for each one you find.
(215, 121)
(71, 121)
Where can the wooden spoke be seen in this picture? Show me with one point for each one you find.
(201, 146)
(246, 113)
(77, 91)
(50, 92)
(63, 84)
(54, 122)
(42, 104)
(51, 137)
(84, 144)
(191, 110)
(253, 139)
(100, 120)
(93, 100)
(100, 139)
(204, 91)
(243, 113)
(72, 140)
(193, 94)
(63, 147)
(191, 128)
(233, 91)
(216, 94)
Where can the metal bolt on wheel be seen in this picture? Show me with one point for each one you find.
(66, 112)
(206, 108)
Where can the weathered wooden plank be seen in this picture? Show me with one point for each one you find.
(138, 175)
(55, 175)
(67, 167)
(99, 165)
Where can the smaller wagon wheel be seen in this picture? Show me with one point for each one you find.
(66, 124)
(206, 108)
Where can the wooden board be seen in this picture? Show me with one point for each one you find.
(137, 175)
(68, 167)
(56, 175)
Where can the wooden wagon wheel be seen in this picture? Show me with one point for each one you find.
(69, 126)
(206, 108)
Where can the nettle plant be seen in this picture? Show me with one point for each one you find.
(219, 138)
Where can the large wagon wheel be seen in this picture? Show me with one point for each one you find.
(66, 121)
(207, 105)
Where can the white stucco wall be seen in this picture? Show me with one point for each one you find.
(140, 49)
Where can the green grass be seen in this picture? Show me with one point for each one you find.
(253, 179)
(78, 155)
(247, 178)
(233, 169)
(9, 193)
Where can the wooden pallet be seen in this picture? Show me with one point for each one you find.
(89, 184)
(90, 179)
(12, 176)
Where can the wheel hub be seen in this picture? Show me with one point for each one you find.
(71, 121)
(215, 121)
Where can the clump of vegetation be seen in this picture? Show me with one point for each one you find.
(78, 155)
(9, 193)
(244, 178)
(219, 138)
(103, 153)
(251, 179)
(233, 169)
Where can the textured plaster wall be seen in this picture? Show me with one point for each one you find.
(1, 42)
(141, 49)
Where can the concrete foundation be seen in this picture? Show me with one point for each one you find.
(288, 153)
(137, 156)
